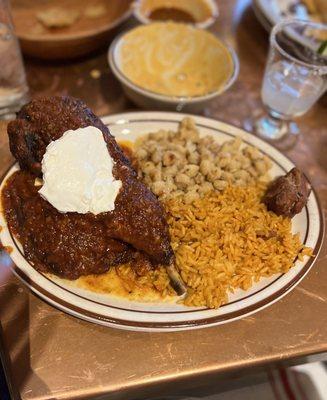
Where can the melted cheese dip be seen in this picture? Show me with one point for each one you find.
(175, 59)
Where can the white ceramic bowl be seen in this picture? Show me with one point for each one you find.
(204, 24)
(150, 100)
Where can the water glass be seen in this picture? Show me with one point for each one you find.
(295, 76)
(13, 86)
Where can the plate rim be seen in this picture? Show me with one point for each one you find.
(188, 324)
(262, 19)
(267, 11)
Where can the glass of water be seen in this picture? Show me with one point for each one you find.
(13, 86)
(295, 76)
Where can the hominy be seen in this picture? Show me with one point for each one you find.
(184, 164)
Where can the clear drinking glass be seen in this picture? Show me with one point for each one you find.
(295, 76)
(13, 86)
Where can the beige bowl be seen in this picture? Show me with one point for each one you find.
(150, 100)
(84, 35)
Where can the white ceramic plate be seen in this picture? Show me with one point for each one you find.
(276, 10)
(271, 12)
(261, 16)
(120, 313)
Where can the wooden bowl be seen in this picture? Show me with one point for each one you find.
(84, 35)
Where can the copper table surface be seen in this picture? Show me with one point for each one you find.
(51, 355)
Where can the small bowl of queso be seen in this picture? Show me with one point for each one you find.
(200, 13)
(172, 66)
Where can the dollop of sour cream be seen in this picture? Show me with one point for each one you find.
(77, 173)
